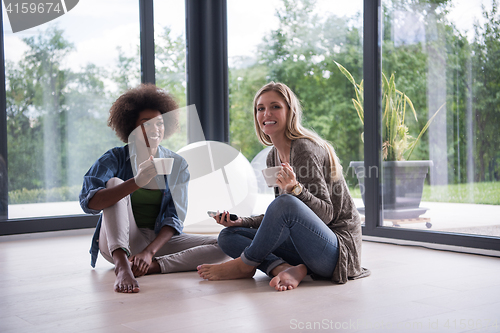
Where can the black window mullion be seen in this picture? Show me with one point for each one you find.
(4, 189)
(206, 65)
(147, 40)
(372, 105)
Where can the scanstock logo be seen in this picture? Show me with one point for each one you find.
(25, 14)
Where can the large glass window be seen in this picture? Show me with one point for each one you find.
(297, 43)
(170, 61)
(61, 79)
(441, 68)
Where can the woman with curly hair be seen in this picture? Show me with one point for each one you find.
(140, 228)
(312, 227)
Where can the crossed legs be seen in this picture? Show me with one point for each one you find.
(290, 241)
(120, 238)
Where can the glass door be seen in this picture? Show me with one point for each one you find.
(440, 116)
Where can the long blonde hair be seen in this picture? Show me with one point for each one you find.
(294, 129)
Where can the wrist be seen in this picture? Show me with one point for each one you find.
(289, 188)
(148, 252)
(133, 183)
(296, 189)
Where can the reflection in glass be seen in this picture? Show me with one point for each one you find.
(297, 43)
(445, 65)
(61, 79)
(170, 58)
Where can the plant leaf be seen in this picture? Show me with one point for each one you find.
(408, 100)
(346, 73)
(425, 129)
(359, 109)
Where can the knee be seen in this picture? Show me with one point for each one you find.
(115, 181)
(227, 237)
(120, 203)
(224, 236)
(284, 202)
(282, 206)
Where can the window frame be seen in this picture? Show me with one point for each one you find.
(206, 57)
(372, 69)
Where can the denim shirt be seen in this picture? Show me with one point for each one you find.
(118, 162)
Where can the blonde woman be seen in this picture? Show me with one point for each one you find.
(312, 227)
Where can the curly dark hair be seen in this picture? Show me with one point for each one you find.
(125, 110)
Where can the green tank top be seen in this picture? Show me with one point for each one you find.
(146, 207)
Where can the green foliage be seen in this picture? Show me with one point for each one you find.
(300, 54)
(243, 84)
(396, 137)
(127, 74)
(472, 84)
(170, 55)
(65, 193)
(56, 117)
(485, 88)
(486, 193)
(35, 112)
(170, 68)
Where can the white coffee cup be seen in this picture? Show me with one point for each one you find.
(271, 174)
(163, 165)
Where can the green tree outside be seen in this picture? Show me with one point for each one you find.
(68, 108)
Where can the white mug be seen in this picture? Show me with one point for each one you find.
(271, 174)
(163, 165)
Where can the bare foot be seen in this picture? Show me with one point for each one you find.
(125, 282)
(280, 268)
(289, 278)
(232, 269)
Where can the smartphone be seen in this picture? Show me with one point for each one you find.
(232, 217)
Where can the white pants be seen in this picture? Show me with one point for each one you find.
(181, 253)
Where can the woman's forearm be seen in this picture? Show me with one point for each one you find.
(161, 239)
(252, 222)
(109, 196)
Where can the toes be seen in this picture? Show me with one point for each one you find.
(203, 268)
(126, 288)
(204, 271)
(274, 282)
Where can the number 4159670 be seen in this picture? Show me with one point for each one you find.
(31, 7)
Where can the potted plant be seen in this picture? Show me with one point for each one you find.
(402, 180)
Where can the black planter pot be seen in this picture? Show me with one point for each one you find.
(402, 186)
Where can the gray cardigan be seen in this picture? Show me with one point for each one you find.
(329, 199)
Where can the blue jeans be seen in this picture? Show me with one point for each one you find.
(290, 232)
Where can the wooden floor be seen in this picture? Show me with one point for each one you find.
(47, 285)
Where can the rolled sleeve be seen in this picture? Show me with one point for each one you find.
(172, 222)
(84, 201)
(105, 168)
